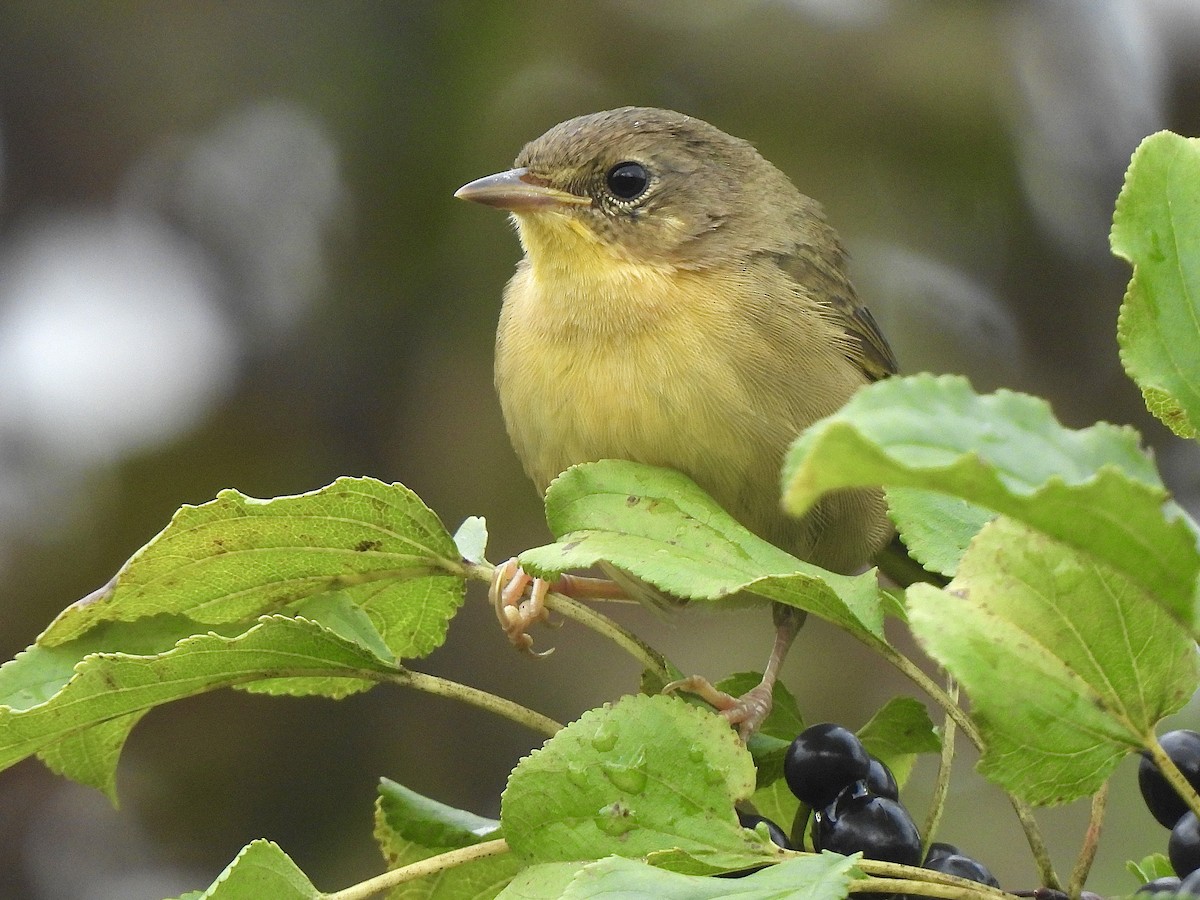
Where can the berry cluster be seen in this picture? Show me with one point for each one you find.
(856, 806)
(1165, 804)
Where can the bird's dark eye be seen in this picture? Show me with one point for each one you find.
(627, 180)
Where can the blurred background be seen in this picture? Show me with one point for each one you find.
(229, 257)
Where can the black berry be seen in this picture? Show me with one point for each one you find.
(1163, 802)
(938, 849)
(1168, 884)
(963, 867)
(751, 820)
(859, 821)
(822, 760)
(1183, 849)
(880, 780)
(1190, 886)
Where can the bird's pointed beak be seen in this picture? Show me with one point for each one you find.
(518, 190)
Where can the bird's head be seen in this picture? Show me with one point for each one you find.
(643, 186)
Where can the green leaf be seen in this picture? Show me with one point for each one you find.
(37, 673)
(897, 733)
(114, 689)
(1093, 489)
(1069, 663)
(1156, 228)
(262, 870)
(1156, 865)
(658, 525)
(346, 619)
(810, 877)
(414, 818)
(547, 881)
(649, 773)
(410, 827)
(936, 528)
(236, 558)
(90, 757)
(768, 753)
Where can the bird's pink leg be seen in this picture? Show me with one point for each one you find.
(749, 711)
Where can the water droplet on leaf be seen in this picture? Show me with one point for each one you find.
(615, 819)
(712, 775)
(577, 774)
(629, 777)
(605, 738)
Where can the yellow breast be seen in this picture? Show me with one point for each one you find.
(710, 372)
(605, 357)
(611, 373)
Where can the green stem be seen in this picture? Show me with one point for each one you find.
(647, 656)
(905, 887)
(942, 786)
(915, 880)
(1171, 772)
(1091, 841)
(432, 684)
(932, 689)
(420, 869)
(954, 712)
(800, 825)
(1037, 846)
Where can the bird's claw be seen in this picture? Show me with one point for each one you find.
(509, 583)
(745, 713)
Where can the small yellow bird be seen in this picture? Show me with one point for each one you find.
(679, 304)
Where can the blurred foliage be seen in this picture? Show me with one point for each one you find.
(941, 137)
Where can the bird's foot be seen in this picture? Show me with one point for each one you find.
(516, 613)
(746, 713)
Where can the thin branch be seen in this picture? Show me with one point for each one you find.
(1091, 841)
(420, 869)
(1037, 846)
(905, 887)
(1033, 835)
(501, 706)
(647, 656)
(942, 786)
(932, 689)
(915, 880)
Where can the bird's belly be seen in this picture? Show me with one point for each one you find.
(621, 407)
(661, 400)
